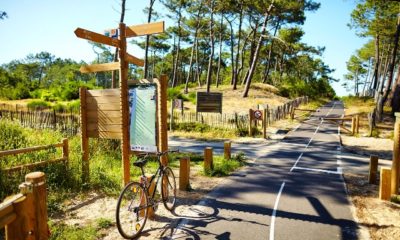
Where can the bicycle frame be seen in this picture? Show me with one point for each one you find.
(148, 184)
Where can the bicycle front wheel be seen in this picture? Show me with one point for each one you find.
(168, 190)
(131, 214)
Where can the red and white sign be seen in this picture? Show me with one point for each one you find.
(257, 115)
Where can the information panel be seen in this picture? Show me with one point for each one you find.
(142, 102)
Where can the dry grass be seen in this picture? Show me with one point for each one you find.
(234, 102)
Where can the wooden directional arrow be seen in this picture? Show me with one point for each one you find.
(100, 67)
(96, 37)
(144, 29)
(134, 60)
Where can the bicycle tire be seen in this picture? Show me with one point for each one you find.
(130, 217)
(168, 189)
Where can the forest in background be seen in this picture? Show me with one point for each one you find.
(211, 42)
(374, 70)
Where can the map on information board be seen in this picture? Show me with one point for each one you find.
(142, 102)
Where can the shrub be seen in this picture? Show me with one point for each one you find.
(74, 106)
(59, 107)
(38, 104)
(12, 135)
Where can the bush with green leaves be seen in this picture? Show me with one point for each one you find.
(38, 104)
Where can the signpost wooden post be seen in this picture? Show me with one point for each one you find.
(117, 124)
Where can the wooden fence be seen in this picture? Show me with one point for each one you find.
(66, 122)
(238, 121)
(24, 215)
(64, 158)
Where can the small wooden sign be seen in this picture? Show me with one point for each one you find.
(209, 102)
(100, 67)
(96, 37)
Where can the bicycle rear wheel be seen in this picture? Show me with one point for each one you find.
(131, 214)
(168, 190)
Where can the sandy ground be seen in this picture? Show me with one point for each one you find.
(95, 207)
(380, 218)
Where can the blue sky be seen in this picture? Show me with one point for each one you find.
(47, 25)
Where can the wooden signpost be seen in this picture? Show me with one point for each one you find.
(105, 113)
(258, 115)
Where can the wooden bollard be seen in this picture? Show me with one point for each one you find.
(373, 169)
(384, 186)
(396, 156)
(31, 211)
(357, 130)
(353, 125)
(208, 159)
(152, 188)
(65, 150)
(265, 122)
(250, 122)
(227, 149)
(184, 174)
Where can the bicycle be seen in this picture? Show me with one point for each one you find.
(135, 199)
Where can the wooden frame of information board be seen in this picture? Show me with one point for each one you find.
(105, 113)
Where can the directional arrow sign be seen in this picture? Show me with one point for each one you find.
(96, 37)
(144, 29)
(100, 67)
(134, 60)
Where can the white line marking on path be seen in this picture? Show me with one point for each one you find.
(272, 229)
(318, 170)
(295, 164)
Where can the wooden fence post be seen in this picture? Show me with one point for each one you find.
(65, 150)
(227, 149)
(357, 123)
(384, 186)
(84, 136)
(353, 125)
(184, 174)
(396, 156)
(264, 119)
(31, 222)
(250, 121)
(208, 159)
(373, 169)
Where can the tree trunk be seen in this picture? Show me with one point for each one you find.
(178, 46)
(221, 25)
(268, 66)
(197, 63)
(242, 51)
(393, 61)
(114, 74)
(192, 52)
(396, 94)
(376, 65)
(235, 76)
(252, 48)
(210, 60)
(146, 50)
(232, 52)
(257, 52)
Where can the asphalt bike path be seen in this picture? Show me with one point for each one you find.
(294, 190)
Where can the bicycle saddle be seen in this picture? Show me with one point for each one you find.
(140, 163)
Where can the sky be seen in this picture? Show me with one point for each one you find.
(33, 26)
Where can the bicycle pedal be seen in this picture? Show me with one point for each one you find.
(137, 226)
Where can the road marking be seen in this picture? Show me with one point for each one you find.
(272, 229)
(295, 164)
(318, 170)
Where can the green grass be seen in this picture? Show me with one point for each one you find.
(91, 231)
(224, 167)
